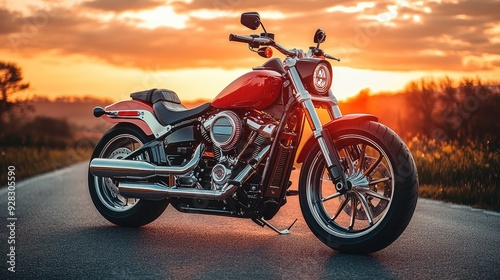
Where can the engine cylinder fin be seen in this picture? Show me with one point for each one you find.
(217, 152)
(205, 135)
(260, 139)
(259, 142)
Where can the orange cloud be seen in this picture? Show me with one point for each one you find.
(122, 5)
(382, 35)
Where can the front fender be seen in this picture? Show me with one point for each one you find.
(331, 126)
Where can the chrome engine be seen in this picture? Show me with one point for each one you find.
(235, 139)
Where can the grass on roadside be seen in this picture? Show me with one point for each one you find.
(464, 174)
(29, 161)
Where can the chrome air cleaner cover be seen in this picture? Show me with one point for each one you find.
(225, 130)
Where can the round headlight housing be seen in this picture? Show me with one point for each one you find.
(322, 78)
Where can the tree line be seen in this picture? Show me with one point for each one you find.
(18, 130)
(448, 110)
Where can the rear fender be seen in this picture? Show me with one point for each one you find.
(138, 113)
(331, 126)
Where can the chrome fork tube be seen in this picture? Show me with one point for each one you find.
(334, 111)
(304, 98)
(322, 136)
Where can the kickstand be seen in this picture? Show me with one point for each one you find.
(260, 221)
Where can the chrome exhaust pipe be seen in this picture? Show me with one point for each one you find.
(134, 169)
(157, 191)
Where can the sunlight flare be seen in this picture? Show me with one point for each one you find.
(164, 16)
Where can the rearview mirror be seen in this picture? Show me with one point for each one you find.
(250, 20)
(319, 36)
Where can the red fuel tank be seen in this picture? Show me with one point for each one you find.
(255, 90)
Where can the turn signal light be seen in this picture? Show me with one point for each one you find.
(266, 52)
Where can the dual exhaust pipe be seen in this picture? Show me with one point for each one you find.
(156, 191)
(139, 170)
(134, 169)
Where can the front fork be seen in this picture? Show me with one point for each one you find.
(321, 135)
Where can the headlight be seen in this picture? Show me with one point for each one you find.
(322, 78)
(316, 75)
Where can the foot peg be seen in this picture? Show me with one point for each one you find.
(292, 192)
(261, 222)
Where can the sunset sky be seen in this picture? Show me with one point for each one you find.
(109, 48)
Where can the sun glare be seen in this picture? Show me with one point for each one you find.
(213, 14)
(163, 16)
(432, 52)
(274, 15)
(348, 82)
(351, 9)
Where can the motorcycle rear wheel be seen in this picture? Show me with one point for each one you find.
(380, 203)
(117, 143)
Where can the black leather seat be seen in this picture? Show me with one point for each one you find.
(167, 106)
(170, 113)
(152, 95)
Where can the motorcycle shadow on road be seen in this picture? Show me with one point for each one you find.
(346, 266)
(183, 253)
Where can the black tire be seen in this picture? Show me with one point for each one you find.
(117, 143)
(384, 190)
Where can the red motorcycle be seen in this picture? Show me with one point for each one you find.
(234, 156)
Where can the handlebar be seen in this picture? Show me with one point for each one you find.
(265, 41)
(240, 38)
(262, 41)
(249, 39)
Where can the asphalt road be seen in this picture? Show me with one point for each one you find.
(59, 235)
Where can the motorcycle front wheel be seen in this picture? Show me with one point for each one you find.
(117, 143)
(382, 193)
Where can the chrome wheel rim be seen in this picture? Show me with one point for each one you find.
(368, 168)
(106, 188)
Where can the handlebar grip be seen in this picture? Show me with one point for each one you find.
(332, 57)
(239, 38)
